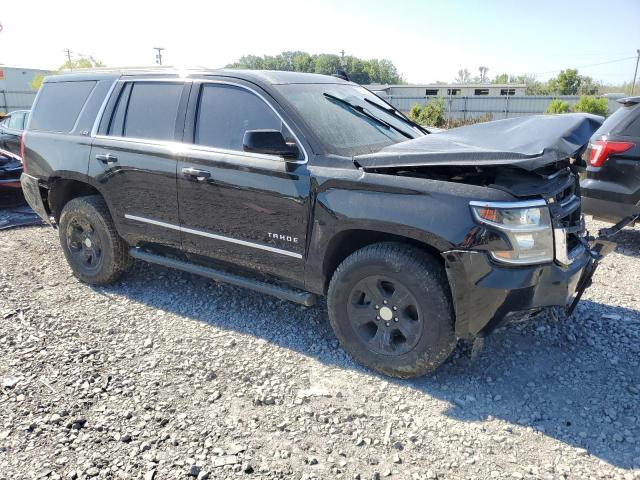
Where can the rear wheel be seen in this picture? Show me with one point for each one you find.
(94, 250)
(389, 305)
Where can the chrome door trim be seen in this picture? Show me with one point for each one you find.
(213, 236)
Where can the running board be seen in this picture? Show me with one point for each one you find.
(304, 298)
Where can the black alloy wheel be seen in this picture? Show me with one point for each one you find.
(85, 246)
(385, 315)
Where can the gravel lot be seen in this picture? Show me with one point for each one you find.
(167, 375)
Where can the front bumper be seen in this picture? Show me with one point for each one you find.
(486, 294)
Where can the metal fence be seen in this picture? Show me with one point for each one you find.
(498, 107)
(16, 100)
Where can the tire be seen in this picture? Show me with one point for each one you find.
(95, 252)
(418, 335)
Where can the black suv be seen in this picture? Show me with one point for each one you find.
(299, 185)
(611, 186)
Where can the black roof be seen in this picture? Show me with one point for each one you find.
(270, 77)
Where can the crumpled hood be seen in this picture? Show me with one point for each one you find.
(525, 142)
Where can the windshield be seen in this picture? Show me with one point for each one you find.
(347, 119)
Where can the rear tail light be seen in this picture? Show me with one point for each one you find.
(601, 150)
(22, 150)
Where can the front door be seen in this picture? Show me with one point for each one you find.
(243, 208)
(134, 160)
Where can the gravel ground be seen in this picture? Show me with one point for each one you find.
(166, 375)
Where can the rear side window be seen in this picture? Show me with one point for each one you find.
(617, 120)
(59, 104)
(226, 112)
(151, 110)
(633, 128)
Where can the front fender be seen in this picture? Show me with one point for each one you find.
(433, 213)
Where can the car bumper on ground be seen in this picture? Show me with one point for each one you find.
(486, 294)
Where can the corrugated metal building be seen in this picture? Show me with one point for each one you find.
(451, 89)
(15, 87)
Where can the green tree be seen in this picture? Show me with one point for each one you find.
(359, 70)
(566, 83)
(84, 62)
(414, 112)
(502, 78)
(588, 86)
(36, 83)
(557, 106)
(327, 64)
(432, 114)
(590, 104)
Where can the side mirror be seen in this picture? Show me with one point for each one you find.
(270, 142)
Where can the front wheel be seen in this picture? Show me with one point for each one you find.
(95, 252)
(390, 307)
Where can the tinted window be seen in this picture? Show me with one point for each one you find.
(152, 110)
(16, 121)
(116, 125)
(59, 105)
(226, 112)
(633, 129)
(618, 118)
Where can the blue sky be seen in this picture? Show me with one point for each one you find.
(427, 40)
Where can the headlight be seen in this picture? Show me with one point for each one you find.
(526, 224)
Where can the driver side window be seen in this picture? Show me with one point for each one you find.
(225, 112)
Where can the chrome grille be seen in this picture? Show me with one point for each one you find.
(566, 216)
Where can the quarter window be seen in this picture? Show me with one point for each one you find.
(226, 112)
(59, 104)
(151, 111)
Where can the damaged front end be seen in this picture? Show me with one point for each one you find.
(520, 256)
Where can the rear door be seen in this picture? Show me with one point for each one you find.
(247, 209)
(134, 158)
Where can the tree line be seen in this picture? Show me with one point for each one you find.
(567, 82)
(359, 70)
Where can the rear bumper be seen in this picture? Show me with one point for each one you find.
(486, 294)
(33, 196)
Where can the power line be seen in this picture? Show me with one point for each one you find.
(587, 66)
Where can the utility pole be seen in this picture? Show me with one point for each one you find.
(633, 84)
(342, 58)
(68, 52)
(159, 54)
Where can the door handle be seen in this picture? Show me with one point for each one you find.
(107, 158)
(198, 175)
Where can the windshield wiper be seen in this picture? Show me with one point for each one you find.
(397, 114)
(360, 109)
